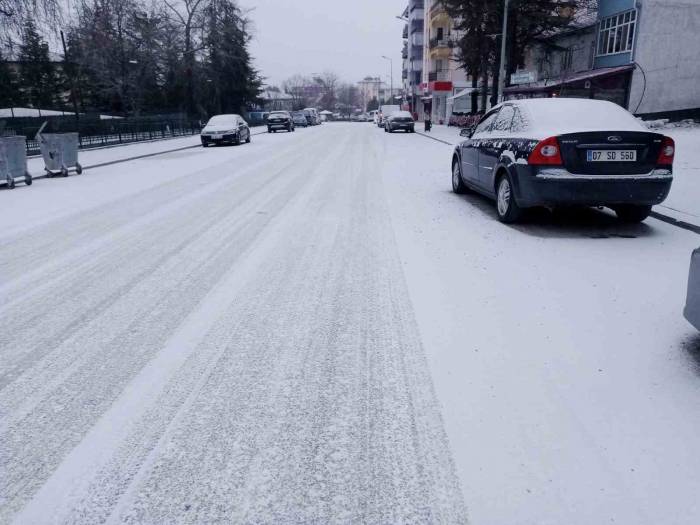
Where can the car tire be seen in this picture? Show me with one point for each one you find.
(205, 145)
(247, 140)
(507, 209)
(10, 183)
(632, 213)
(458, 185)
(28, 179)
(78, 168)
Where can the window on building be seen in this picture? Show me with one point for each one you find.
(616, 33)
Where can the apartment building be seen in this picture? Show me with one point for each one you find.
(442, 77)
(641, 54)
(413, 36)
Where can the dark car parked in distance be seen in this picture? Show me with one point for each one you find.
(280, 120)
(692, 305)
(564, 152)
(400, 121)
(225, 129)
(299, 119)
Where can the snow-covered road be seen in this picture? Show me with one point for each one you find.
(314, 329)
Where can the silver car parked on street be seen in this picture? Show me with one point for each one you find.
(692, 305)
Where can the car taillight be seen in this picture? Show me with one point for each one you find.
(667, 152)
(546, 153)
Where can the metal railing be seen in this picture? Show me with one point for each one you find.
(440, 76)
(97, 133)
(435, 43)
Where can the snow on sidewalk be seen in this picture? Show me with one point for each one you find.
(90, 157)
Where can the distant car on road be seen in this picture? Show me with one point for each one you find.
(280, 120)
(312, 116)
(692, 305)
(563, 152)
(225, 129)
(400, 121)
(299, 119)
(385, 112)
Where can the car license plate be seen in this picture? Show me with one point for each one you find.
(217, 137)
(611, 155)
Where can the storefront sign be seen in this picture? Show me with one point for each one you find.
(523, 77)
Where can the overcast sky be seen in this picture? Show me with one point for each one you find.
(310, 36)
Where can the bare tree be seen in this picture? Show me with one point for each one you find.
(14, 13)
(329, 86)
(189, 15)
(296, 86)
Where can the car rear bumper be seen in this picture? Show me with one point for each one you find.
(692, 306)
(556, 186)
(397, 127)
(278, 125)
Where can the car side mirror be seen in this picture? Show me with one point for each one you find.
(467, 133)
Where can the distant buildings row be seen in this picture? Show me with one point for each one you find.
(641, 54)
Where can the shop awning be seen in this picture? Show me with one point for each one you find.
(576, 77)
(464, 93)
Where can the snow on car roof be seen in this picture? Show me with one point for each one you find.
(554, 116)
(222, 118)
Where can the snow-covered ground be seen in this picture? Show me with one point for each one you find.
(313, 328)
(683, 203)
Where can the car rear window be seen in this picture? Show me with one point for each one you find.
(557, 116)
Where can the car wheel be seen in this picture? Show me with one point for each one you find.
(10, 183)
(506, 207)
(269, 130)
(28, 179)
(78, 168)
(632, 213)
(247, 140)
(205, 145)
(458, 185)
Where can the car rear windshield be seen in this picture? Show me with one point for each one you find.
(567, 115)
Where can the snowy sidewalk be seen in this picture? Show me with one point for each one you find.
(91, 157)
(684, 201)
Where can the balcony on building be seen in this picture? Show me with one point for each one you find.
(416, 25)
(437, 43)
(437, 12)
(405, 31)
(439, 76)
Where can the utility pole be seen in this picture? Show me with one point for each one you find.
(72, 82)
(391, 78)
(502, 74)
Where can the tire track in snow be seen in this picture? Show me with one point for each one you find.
(308, 400)
(36, 437)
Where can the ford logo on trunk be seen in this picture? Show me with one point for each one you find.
(614, 138)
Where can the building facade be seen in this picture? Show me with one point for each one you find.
(371, 88)
(660, 41)
(641, 54)
(442, 76)
(414, 41)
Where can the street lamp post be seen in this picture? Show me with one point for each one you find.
(391, 78)
(502, 74)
